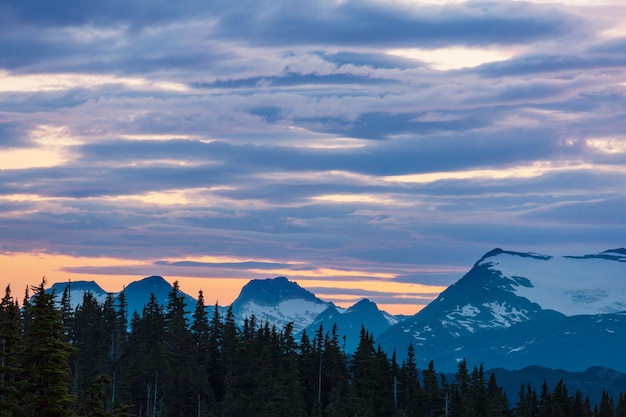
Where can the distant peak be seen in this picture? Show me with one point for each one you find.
(365, 305)
(364, 302)
(492, 253)
(153, 281)
(271, 291)
(76, 286)
(154, 278)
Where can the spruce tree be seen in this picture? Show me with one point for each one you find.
(10, 338)
(620, 411)
(527, 404)
(409, 384)
(145, 358)
(96, 399)
(46, 370)
(363, 369)
(497, 402)
(606, 406)
(92, 343)
(185, 378)
(580, 406)
(215, 366)
(433, 395)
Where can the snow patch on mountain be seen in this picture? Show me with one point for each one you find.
(300, 312)
(592, 284)
(504, 315)
(77, 292)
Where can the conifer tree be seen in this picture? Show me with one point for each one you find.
(606, 406)
(478, 391)
(560, 401)
(433, 396)
(214, 362)
(45, 360)
(25, 312)
(290, 396)
(146, 358)
(92, 345)
(201, 332)
(497, 401)
(231, 357)
(580, 407)
(334, 375)
(95, 402)
(409, 381)
(545, 401)
(620, 411)
(10, 338)
(186, 378)
(67, 312)
(309, 365)
(461, 399)
(527, 404)
(363, 368)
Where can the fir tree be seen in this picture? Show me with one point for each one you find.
(606, 406)
(10, 338)
(45, 360)
(497, 402)
(146, 360)
(409, 384)
(185, 378)
(67, 312)
(580, 407)
(527, 404)
(620, 411)
(95, 402)
(92, 343)
(433, 396)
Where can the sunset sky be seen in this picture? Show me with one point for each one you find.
(362, 148)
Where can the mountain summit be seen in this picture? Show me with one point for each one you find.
(514, 309)
(278, 301)
(273, 291)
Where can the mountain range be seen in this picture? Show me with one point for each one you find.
(510, 310)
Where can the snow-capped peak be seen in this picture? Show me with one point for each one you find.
(278, 301)
(77, 290)
(572, 285)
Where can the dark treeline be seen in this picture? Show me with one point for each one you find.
(91, 361)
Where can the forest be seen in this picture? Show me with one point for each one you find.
(98, 360)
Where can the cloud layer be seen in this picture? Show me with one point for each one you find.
(336, 141)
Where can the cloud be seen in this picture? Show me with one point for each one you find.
(309, 139)
(366, 23)
(12, 135)
(234, 265)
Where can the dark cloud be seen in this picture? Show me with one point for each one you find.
(367, 24)
(419, 155)
(539, 64)
(232, 265)
(13, 135)
(99, 13)
(359, 292)
(277, 124)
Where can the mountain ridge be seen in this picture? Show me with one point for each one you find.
(511, 309)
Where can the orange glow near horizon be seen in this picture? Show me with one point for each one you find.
(25, 269)
(22, 270)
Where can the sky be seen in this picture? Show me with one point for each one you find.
(364, 149)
